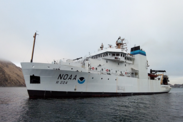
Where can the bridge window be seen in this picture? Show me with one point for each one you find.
(113, 54)
(117, 54)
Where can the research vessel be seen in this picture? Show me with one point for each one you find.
(110, 71)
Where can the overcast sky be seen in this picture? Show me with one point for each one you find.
(73, 28)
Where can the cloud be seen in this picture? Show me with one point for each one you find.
(71, 29)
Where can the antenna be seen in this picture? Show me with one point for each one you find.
(121, 43)
(110, 46)
(102, 46)
(33, 46)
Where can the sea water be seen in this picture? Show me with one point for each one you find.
(15, 106)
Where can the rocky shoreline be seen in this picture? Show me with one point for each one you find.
(10, 75)
(176, 85)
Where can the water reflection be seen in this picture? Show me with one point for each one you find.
(151, 108)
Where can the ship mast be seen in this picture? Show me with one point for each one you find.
(33, 46)
(120, 44)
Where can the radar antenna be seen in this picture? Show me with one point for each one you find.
(102, 46)
(121, 44)
(110, 46)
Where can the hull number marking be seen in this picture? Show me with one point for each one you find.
(61, 82)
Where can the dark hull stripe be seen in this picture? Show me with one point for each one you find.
(33, 94)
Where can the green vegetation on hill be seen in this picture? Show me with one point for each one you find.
(10, 74)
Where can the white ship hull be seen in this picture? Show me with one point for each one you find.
(60, 83)
(109, 72)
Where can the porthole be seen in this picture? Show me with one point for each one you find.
(92, 77)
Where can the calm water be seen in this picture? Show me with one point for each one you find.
(16, 107)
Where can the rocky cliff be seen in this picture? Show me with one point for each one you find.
(176, 85)
(10, 74)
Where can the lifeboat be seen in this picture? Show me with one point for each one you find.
(152, 76)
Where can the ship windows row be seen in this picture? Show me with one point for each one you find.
(109, 54)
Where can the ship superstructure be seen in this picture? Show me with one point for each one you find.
(109, 72)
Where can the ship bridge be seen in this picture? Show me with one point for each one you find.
(117, 53)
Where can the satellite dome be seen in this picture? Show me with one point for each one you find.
(119, 41)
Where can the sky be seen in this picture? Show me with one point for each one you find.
(75, 28)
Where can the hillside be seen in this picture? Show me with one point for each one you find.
(176, 85)
(10, 74)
